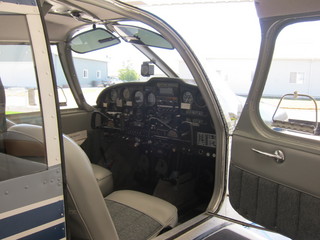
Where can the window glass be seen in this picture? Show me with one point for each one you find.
(101, 68)
(92, 73)
(121, 63)
(21, 89)
(227, 49)
(66, 99)
(21, 152)
(85, 73)
(98, 74)
(291, 96)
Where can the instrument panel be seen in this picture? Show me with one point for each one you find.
(162, 109)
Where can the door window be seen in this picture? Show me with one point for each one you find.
(291, 98)
(21, 153)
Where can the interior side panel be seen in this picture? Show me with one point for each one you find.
(299, 169)
(75, 120)
(77, 125)
(274, 206)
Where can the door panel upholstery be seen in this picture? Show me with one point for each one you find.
(279, 208)
(300, 170)
(282, 197)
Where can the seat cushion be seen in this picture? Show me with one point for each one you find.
(130, 223)
(136, 214)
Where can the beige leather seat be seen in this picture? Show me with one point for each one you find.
(121, 215)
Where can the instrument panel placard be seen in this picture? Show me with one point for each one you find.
(206, 139)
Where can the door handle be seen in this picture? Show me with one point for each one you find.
(278, 155)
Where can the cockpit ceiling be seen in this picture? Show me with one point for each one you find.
(9, 31)
(59, 20)
(58, 26)
(98, 12)
(273, 8)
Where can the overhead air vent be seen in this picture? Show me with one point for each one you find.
(83, 16)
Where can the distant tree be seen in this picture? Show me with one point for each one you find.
(128, 74)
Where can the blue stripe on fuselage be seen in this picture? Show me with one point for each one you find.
(30, 219)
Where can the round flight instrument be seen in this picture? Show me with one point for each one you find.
(113, 95)
(199, 100)
(138, 97)
(187, 97)
(126, 94)
(151, 99)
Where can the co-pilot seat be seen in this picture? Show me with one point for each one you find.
(121, 215)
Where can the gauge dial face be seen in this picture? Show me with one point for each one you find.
(113, 95)
(126, 94)
(151, 99)
(187, 97)
(199, 100)
(138, 97)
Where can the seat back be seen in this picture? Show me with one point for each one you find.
(88, 215)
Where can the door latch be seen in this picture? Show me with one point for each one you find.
(278, 155)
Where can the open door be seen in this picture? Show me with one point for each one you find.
(31, 185)
(274, 169)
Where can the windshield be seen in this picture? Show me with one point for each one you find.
(225, 36)
(122, 61)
